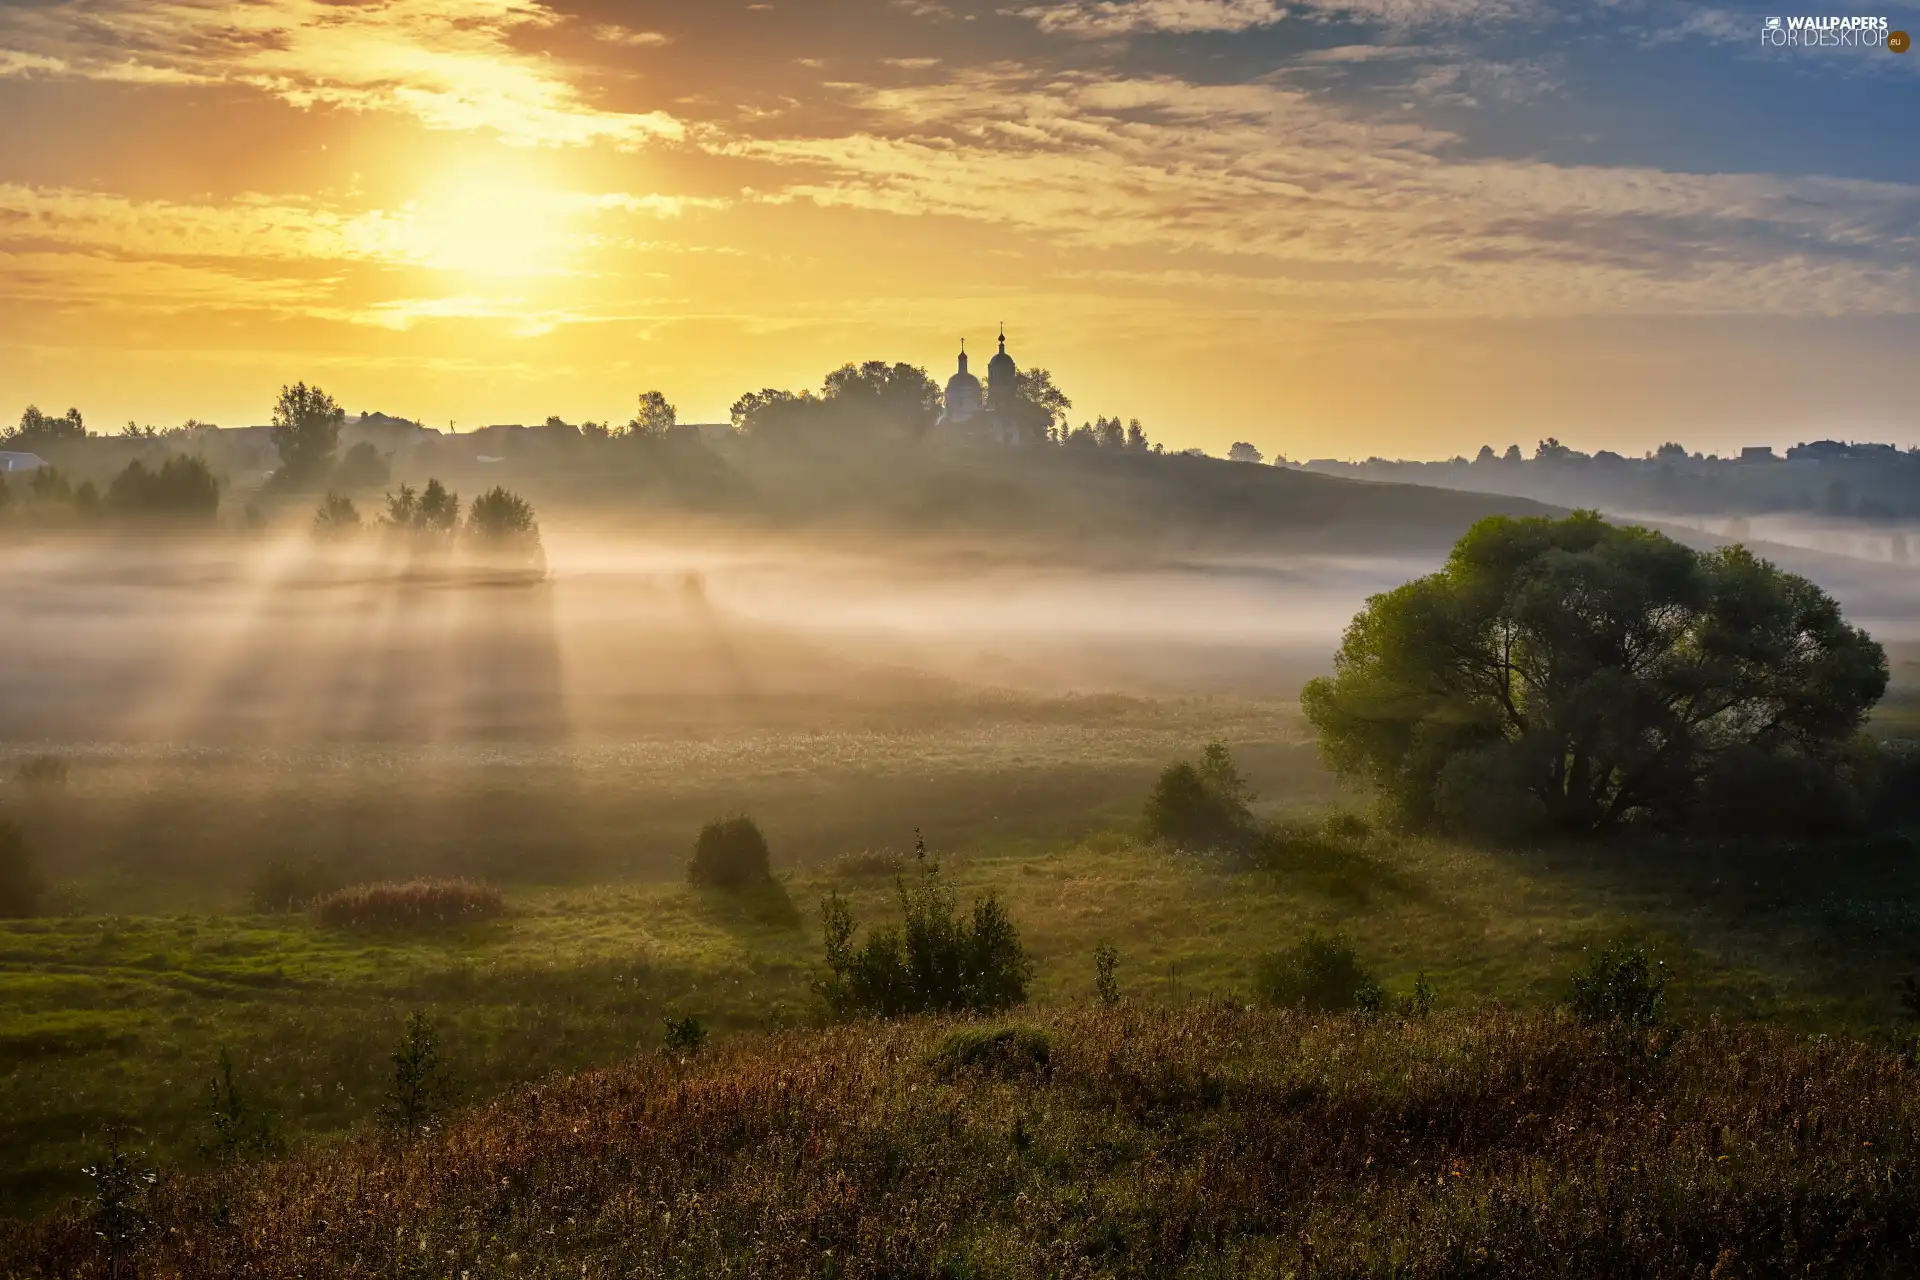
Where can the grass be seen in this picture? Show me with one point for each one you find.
(121, 1018)
(1206, 1141)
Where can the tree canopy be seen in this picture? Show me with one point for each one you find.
(37, 428)
(306, 429)
(1571, 675)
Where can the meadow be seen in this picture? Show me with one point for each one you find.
(116, 1008)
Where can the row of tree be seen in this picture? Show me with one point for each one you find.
(182, 489)
(499, 519)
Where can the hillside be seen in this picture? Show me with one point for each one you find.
(1205, 1141)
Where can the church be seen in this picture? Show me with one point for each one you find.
(996, 414)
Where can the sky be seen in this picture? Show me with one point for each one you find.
(1332, 228)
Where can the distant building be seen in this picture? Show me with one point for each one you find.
(1758, 453)
(998, 415)
(11, 462)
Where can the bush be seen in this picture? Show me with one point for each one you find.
(336, 518)
(1896, 789)
(1321, 974)
(363, 467)
(935, 961)
(413, 904)
(1201, 806)
(1006, 1052)
(284, 885)
(1751, 792)
(1483, 795)
(1619, 985)
(44, 770)
(20, 883)
(730, 854)
(685, 1036)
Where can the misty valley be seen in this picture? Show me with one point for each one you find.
(826, 847)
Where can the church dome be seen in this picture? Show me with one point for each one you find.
(964, 397)
(1002, 364)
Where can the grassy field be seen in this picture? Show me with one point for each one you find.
(122, 1017)
(1206, 1141)
(114, 1008)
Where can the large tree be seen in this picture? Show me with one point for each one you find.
(306, 430)
(1588, 674)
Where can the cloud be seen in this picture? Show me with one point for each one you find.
(1368, 217)
(1124, 17)
(614, 33)
(451, 64)
(1105, 18)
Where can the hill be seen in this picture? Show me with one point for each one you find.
(1203, 1141)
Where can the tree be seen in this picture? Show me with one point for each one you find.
(1244, 452)
(306, 430)
(1670, 451)
(1136, 437)
(500, 515)
(1512, 454)
(901, 394)
(1486, 456)
(439, 509)
(1571, 675)
(654, 417)
(182, 488)
(37, 428)
(420, 1087)
(1035, 387)
(754, 409)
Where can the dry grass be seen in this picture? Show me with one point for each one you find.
(413, 904)
(1206, 1141)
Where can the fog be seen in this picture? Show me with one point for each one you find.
(287, 642)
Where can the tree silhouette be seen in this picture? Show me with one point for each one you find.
(306, 430)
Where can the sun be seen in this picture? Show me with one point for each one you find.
(488, 221)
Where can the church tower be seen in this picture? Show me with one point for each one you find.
(1002, 379)
(963, 399)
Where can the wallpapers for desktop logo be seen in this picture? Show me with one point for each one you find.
(1833, 32)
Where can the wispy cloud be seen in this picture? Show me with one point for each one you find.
(1105, 18)
(1258, 173)
(451, 64)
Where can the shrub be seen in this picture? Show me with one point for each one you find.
(44, 770)
(20, 883)
(362, 467)
(1483, 795)
(1619, 985)
(730, 854)
(685, 1036)
(336, 518)
(412, 904)
(1006, 1052)
(1321, 974)
(284, 885)
(935, 961)
(1201, 806)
